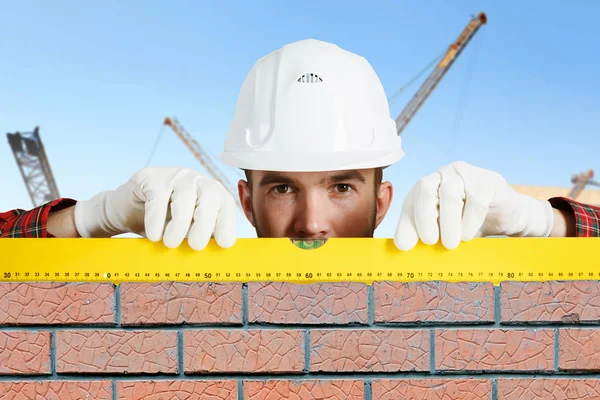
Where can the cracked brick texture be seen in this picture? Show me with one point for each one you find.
(56, 303)
(177, 390)
(369, 350)
(548, 389)
(304, 390)
(433, 302)
(181, 302)
(264, 350)
(320, 303)
(567, 302)
(579, 350)
(56, 390)
(495, 350)
(116, 351)
(300, 341)
(432, 389)
(24, 352)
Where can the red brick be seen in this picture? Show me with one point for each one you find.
(579, 350)
(243, 351)
(548, 389)
(24, 352)
(56, 390)
(98, 351)
(553, 301)
(57, 303)
(433, 302)
(319, 303)
(304, 390)
(177, 390)
(495, 350)
(177, 303)
(432, 389)
(369, 350)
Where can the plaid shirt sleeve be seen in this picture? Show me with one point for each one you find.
(587, 217)
(20, 223)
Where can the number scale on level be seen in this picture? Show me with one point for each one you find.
(337, 260)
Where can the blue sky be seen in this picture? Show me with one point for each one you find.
(100, 79)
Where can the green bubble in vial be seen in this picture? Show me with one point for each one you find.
(308, 244)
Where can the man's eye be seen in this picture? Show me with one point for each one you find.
(282, 189)
(343, 188)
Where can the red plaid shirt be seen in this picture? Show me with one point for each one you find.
(587, 218)
(32, 223)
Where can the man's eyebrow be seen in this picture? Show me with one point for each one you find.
(271, 178)
(341, 176)
(344, 176)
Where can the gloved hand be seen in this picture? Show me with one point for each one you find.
(162, 203)
(460, 202)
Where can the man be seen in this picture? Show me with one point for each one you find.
(313, 133)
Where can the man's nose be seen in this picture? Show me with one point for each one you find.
(312, 220)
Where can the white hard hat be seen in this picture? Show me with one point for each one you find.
(312, 106)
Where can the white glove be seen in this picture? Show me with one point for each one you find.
(188, 203)
(460, 202)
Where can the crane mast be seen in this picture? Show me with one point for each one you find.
(201, 155)
(438, 73)
(580, 181)
(30, 156)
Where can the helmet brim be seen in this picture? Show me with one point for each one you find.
(311, 162)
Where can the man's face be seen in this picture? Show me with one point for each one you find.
(312, 205)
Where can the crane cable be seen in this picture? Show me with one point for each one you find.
(463, 98)
(412, 80)
(160, 133)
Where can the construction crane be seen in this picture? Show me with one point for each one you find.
(580, 181)
(201, 155)
(439, 71)
(577, 192)
(30, 155)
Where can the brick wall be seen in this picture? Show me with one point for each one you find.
(324, 341)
